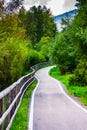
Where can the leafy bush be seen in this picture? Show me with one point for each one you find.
(63, 68)
(80, 74)
(79, 77)
(33, 58)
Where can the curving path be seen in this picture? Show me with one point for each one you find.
(53, 109)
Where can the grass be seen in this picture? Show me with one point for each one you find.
(21, 120)
(78, 91)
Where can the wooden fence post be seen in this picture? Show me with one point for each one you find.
(1, 112)
(8, 102)
(12, 98)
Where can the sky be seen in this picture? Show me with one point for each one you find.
(56, 6)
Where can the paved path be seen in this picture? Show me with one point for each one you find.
(53, 109)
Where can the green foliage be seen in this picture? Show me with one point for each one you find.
(69, 49)
(80, 74)
(33, 58)
(82, 41)
(79, 38)
(16, 51)
(62, 53)
(78, 91)
(79, 78)
(9, 27)
(22, 17)
(43, 47)
(12, 59)
(65, 22)
(13, 50)
(43, 41)
(39, 23)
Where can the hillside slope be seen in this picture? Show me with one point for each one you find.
(58, 18)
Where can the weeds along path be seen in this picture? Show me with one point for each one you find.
(52, 108)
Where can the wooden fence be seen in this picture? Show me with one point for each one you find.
(11, 97)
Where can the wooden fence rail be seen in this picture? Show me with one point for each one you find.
(10, 98)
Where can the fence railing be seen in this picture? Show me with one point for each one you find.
(11, 97)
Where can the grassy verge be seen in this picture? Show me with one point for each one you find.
(78, 91)
(21, 120)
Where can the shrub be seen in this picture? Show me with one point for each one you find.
(33, 58)
(63, 69)
(79, 77)
(12, 59)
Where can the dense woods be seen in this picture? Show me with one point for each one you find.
(69, 50)
(24, 37)
(30, 37)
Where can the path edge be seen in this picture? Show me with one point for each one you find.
(31, 106)
(62, 87)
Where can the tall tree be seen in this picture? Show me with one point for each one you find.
(39, 23)
(65, 22)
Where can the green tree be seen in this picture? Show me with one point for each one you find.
(22, 16)
(65, 22)
(17, 28)
(78, 33)
(43, 47)
(62, 53)
(13, 53)
(39, 23)
(13, 50)
(33, 57)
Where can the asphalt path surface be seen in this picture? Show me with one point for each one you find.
(53, 110)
